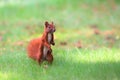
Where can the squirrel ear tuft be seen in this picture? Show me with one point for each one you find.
(46, 24)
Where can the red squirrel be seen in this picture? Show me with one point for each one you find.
(40, 49)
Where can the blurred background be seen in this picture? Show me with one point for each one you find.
(79, 23)
(87, 39)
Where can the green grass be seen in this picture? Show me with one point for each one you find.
(68, 64)
(98, 59)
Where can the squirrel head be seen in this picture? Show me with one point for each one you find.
(49, 28)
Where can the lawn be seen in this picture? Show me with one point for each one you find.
(87, 39)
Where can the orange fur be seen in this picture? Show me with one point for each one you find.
(40, 49)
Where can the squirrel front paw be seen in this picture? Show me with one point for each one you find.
(50, 50)
(52, 43)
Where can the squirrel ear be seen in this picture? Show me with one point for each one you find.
(52, 23)
(46, 24)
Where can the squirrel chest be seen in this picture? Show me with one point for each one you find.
(45, 50)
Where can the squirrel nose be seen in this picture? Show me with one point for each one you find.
(54, 30)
